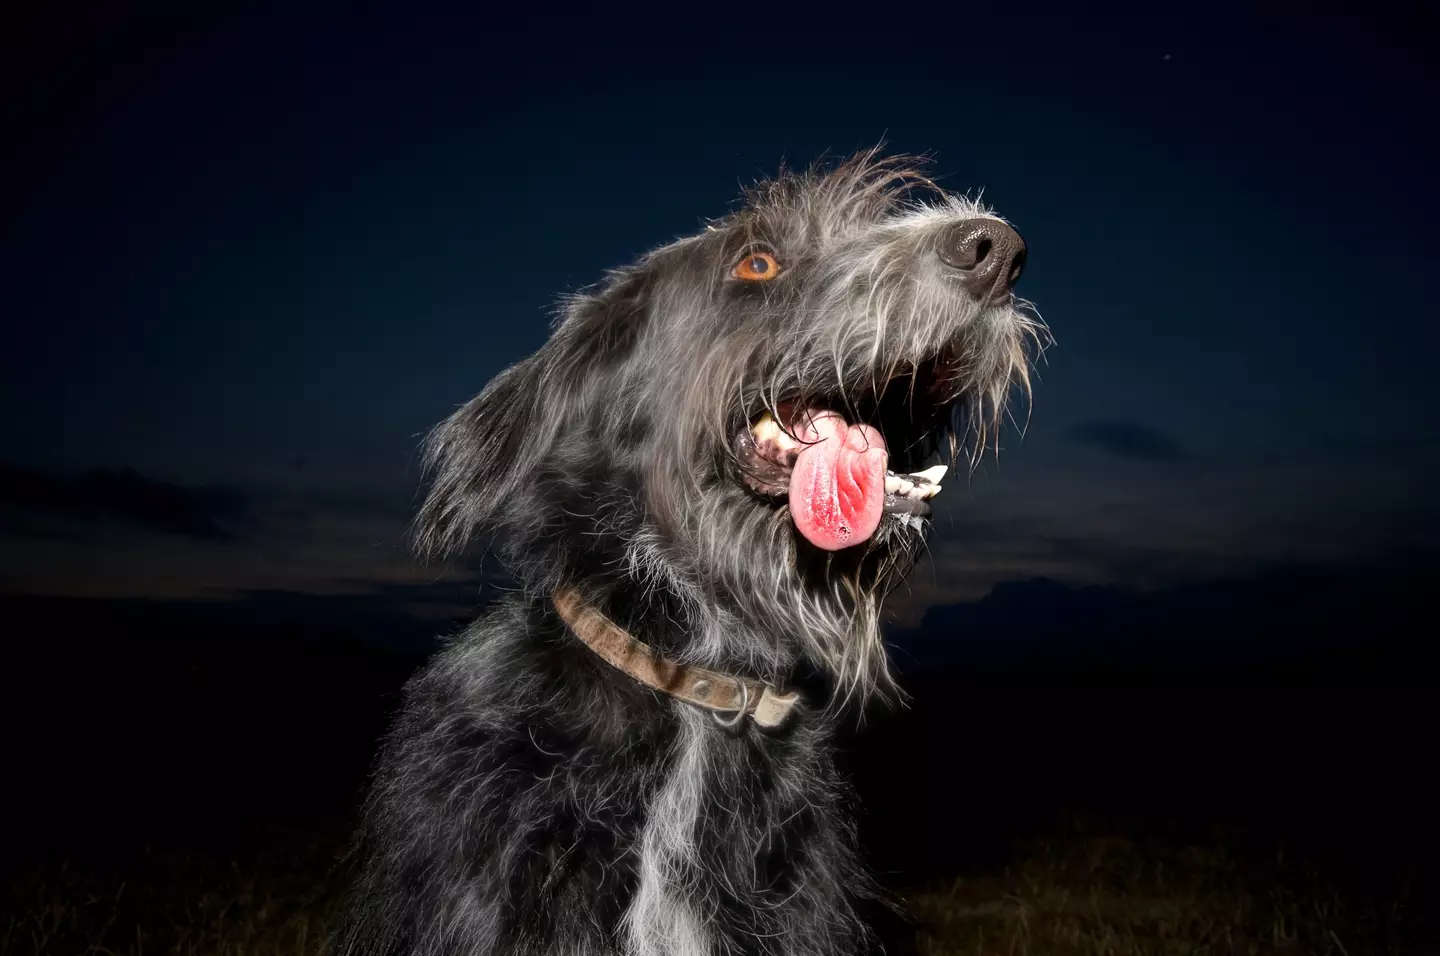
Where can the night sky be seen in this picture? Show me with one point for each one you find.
(249, 260)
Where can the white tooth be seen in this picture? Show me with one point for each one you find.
(892, 484)
(905, 488)
(766, 429)
(929, 491)
(932, 474)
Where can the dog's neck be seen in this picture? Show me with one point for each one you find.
(731, 699)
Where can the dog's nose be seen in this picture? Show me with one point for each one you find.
(988, 254)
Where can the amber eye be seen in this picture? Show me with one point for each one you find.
(756, 267)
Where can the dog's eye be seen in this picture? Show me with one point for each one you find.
(756, 267)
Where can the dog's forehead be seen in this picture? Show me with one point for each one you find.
(824, 205)
(816, 207)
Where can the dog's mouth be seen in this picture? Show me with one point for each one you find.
(841, 473)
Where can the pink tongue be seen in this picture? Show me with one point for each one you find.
(837, 490)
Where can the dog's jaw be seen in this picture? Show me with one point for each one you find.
(767, 453)
(882, 443)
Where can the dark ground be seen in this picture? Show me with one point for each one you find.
(144, 752)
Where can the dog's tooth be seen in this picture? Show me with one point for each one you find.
(766, 429)
(904, 487)
(932, 474)
(892, 484)
(928, 492)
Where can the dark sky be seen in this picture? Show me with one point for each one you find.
(254, 258)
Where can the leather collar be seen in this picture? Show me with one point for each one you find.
(730, 699)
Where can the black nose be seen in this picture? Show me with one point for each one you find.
(988, 254)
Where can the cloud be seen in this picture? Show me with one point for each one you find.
(389, 615)
(103, 496)
(118, 534)
(1197, 524)
(1127, 439)
(1291, 619)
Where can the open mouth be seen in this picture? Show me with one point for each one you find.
(842, 472)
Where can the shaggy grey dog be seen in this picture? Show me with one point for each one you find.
(725, 451)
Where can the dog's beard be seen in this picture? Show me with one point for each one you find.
(740, 535)
(742, 568)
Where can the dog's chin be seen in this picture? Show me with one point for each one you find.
(863, 459)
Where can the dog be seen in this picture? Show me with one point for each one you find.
(705, 482)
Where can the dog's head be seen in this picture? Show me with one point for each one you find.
(741, 432)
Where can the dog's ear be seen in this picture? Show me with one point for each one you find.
(476, 458)
(602, 328)
(479, 458)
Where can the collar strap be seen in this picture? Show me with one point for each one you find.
(722, 694)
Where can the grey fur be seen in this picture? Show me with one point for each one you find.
(529, 799)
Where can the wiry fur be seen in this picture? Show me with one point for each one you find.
(529, 798)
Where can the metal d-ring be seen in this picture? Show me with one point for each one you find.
(730, 723)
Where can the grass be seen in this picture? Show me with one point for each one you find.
(1076, 895)
(1099, 895)
(176, 904)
